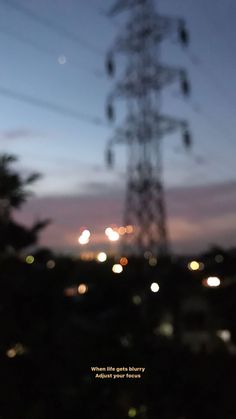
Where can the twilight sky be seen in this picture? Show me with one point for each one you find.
(77, 189)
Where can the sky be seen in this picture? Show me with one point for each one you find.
(76, 188)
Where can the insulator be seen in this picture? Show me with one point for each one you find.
(187, 140)
(110, 111)
(183, 35)
(109, 158)
(110, 66)
(185, 86)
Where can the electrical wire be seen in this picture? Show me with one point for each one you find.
(210, 76)
(44, 104)
(45, 50)
(53, 26)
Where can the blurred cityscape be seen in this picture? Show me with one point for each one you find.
(133, 267)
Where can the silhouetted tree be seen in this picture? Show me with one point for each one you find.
(13, 194)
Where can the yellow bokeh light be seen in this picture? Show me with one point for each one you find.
(82, 289)
(117, 268)
(29, 259)
(132, 412)
(102, 257)
(194, 265)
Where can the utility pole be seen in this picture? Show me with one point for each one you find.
(144, 127)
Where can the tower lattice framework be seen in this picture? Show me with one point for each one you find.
(145, 126)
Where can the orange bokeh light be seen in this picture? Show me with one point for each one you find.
(124, 261)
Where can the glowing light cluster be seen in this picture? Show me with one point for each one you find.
(17, 349)
(112, 234)
(75, 290)
(84, 237)
(129, 229)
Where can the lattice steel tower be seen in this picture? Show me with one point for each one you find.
(144, 127)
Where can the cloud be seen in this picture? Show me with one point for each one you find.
(16, 134)
(197, 216)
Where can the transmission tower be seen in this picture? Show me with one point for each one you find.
(144, 127)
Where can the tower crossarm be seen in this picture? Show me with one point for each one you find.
(167, 124)
(134, 131)
(155, 77)
(153, 30)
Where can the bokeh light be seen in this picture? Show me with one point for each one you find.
(137, 300)
(11, 353)
(152, 261)
(219, 258)
(224, 335)
(114, 236)
(129, 229)
(117, 268)
(29, 259)
(101, 257)
(124, 261)
(82, 289)
(154, 287)
(193, 265)
(51, 264)
(122, 230)
(84, 237)
(132, 412)
(212, 281)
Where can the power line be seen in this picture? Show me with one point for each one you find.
(46, 50)
(213, 123)
(53, 26)
(197, 62)
(44, 104)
